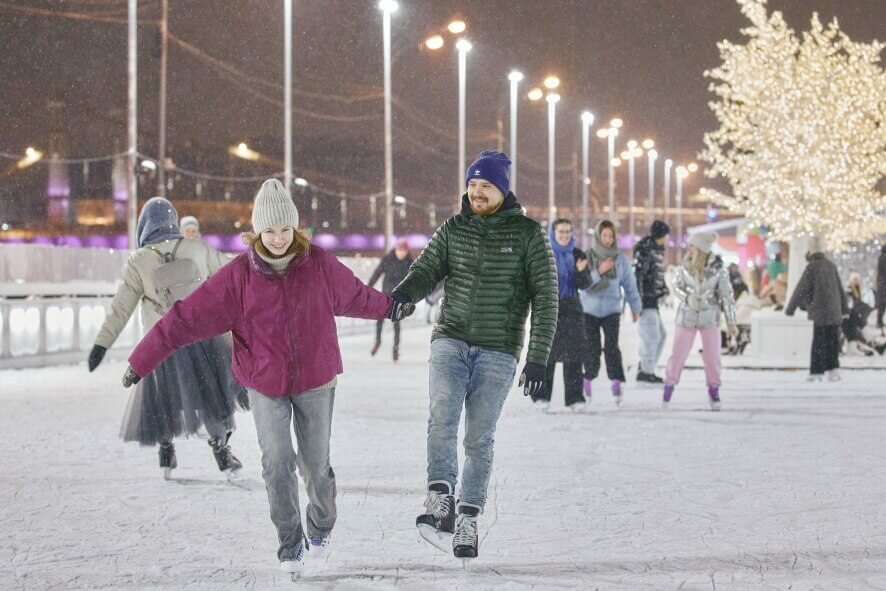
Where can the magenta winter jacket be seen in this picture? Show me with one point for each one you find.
(285, 340)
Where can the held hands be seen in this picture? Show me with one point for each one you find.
(731, 330)
(605, 266)
(635, 317)
(532, 379)
(401, 308)
(130, 377)
(96, 356)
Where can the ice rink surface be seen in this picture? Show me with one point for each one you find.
(783, 489)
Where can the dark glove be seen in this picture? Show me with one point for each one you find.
(532, 379)
(401, 308)
(130, 377)
(96, 356)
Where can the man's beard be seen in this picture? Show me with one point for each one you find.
(483, 208)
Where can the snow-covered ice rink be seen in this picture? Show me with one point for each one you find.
(783, 489)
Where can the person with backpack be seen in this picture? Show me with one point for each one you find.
(280, 300)
(194, 389)
(649, 269)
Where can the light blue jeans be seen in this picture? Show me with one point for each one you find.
(652, 339)
(478, 380)
(310, 413)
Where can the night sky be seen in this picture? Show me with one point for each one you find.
(641, 60)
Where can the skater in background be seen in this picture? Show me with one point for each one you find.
(820, 293)
(192, 390)
(496, 262)
(190, 227)
(853, 325)
(280, 300)
(568, 346)
(611, 273)
(746, 303)
(649, 270)
(394, 266)
(774, 294)
(704, 291)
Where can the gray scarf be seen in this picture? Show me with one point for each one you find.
(279, 265)
(596, 255)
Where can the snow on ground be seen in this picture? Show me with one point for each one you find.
(783, 489)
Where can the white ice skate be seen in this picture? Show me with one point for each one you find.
(814, 377)
(578, 407)
(715, 405)
(834, 375)
(167, 473)
(665, 405)
(292, 565)
(542, 405)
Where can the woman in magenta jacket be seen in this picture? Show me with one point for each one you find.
(279, 300)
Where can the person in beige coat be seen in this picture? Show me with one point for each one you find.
(193, 390)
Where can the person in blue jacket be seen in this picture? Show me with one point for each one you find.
(611, 272)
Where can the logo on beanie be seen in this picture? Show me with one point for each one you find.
(477, 172)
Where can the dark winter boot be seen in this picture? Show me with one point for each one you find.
(714, 395)
(226, 460)
(437, 524)
(168, 461)
(375, 347)
(465, 542)
(396, 353)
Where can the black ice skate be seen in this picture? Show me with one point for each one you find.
(227, 462)
(438, 524)
(168, 461)
(465, 542)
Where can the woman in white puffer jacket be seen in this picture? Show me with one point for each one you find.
(704, 292)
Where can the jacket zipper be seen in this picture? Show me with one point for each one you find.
(293, 368)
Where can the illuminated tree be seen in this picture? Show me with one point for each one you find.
(801, 138)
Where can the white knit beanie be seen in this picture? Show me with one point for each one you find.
(273, 207)
(816, 245)
(189, 220)
(703, 241)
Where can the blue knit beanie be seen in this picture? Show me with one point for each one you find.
(491, 166)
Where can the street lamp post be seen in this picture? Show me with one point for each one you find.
(632, 153)
(682, 173)
(388, 7)
(463, 46)
(132, 43)
(587, 119)
(552, 99)
(667, 188)
(614, 126)
(287, 93)
(515, 78)
(652, 156)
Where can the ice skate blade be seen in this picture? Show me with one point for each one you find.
(617, 401)
(167, 473)
(465, 562)
(442, 541)
(715, 407)
(665, 405)
(231, 475)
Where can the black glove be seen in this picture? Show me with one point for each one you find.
(401, 308)
(532, 379)
(130, 377)
(96, 356)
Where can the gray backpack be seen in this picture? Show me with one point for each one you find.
(175, 279)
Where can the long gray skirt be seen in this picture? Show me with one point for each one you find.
(191, 391)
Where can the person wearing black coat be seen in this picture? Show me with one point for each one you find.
(649, 269)
(568, 346)
(820, 292)
(394, 266)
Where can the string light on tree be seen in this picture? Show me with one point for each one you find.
(802, 139)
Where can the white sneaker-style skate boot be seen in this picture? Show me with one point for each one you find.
(834, 375)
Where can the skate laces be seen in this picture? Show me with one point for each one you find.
(465, 530)
(438, 504)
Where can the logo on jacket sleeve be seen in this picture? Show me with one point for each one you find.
(507, 249)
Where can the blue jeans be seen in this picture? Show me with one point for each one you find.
(652, 339)
(311, 415)
(478, 380)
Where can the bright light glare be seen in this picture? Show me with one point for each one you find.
(388, 6)
(434, 42)
(535, 94)
(616, 123)
(463, 45)
(632, 144)
(648, 144)
(515, 76)
(692, 167)
(653, 154)
(587, 118)
(552, 82)
(301, 182)
(603, 133)
(615, 162)
(456, 27)
(553, 97)
(400, 199)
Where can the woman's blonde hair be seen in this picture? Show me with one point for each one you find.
(301, 243)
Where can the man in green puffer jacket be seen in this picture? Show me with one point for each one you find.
(495, 262)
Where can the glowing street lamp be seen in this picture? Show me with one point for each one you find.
(388, 7)
(668, 164)
(633, 152)
(457, 27)
(243, 151)
(32, 156)
(587, 119)
(514, 78)
(535, 94)
(434, 42)
(611, 134)
(652, 155)
(552, 100)
(616, 123)
(682, 173)
(551, 82)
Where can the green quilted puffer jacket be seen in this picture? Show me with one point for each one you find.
(493, 268)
